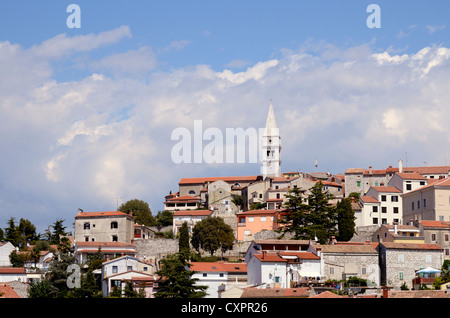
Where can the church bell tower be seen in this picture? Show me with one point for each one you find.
(271, 147)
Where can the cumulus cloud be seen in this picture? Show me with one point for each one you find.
(90, 141)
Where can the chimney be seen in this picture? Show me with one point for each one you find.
(400, 166)
(395, 228)
(370, 169)
(385, 292)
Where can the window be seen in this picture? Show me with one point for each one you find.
(358, 183)
(408, 186)
(277, 279)
(446, 237)
(251, 219)
(129, 268)
(401, 275)
(383, 198)
(331, 270)
(412, 206)
(263, 219)
(114, 225)
(221, 275)
(401, 258)
(114, 238)
(395, 209)
(394, 198)
(374, 208)
(418, 204)
(384, 209)
(87, 225)
(191, 192)
(433, 237)
(383, 221)
(422, 182)
(205, 275)
(364, 271)
(428, 258)
(375, 221)
(278, 195)
(114, 269)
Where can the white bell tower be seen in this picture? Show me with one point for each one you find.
(271, 147)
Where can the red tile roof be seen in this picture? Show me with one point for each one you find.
(411, 246)
(183, 198)
(430, 223)
(226, 179)
(387, 189)
(6, 291)
(435, 183)
(368, 199)
(12, 270)
(411, 176)
(301, 255)
(193, 213)
(100, 214)
(218, 267)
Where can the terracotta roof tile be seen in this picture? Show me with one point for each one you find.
(226, 179)
(219, 267)
(193, 213)
(99, 214)
(6, 291)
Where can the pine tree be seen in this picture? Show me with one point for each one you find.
(178, 281)
(346, 219)
(183, 241)
(313, 218)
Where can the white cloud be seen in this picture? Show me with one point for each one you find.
(89, 141)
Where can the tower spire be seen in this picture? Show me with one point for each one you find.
(271, 147)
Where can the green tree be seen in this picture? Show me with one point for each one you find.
(58, 275)
(27, 231)
(238, 200)
(346, 219)
(140, 210)
(41, 289)
(297, 217)
(59, 230)
(88, 287)
(314, 218)
(183, 241)
(12, 234)
(354, 195)
(164, 218)
(178, 281)
(212, 234)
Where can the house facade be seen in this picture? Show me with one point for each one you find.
(399, 262)
(116, 272)
(218, 276)
(254, 221)
(6, 248)
(437, 232)
(429, 202)
(191, 217)
(341, 261)
(113, 226)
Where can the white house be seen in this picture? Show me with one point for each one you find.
(9, 274)
(191, 217)
(219, 276)
(5, 249)
(117, 271)
(283, 269)
(381, 205)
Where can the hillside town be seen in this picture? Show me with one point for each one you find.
(400, 244)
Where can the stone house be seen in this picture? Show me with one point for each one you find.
(436, 232)
(343, 260)
(429, 202)
(112, 226)
(400, 261)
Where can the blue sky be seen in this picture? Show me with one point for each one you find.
(88, 113)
